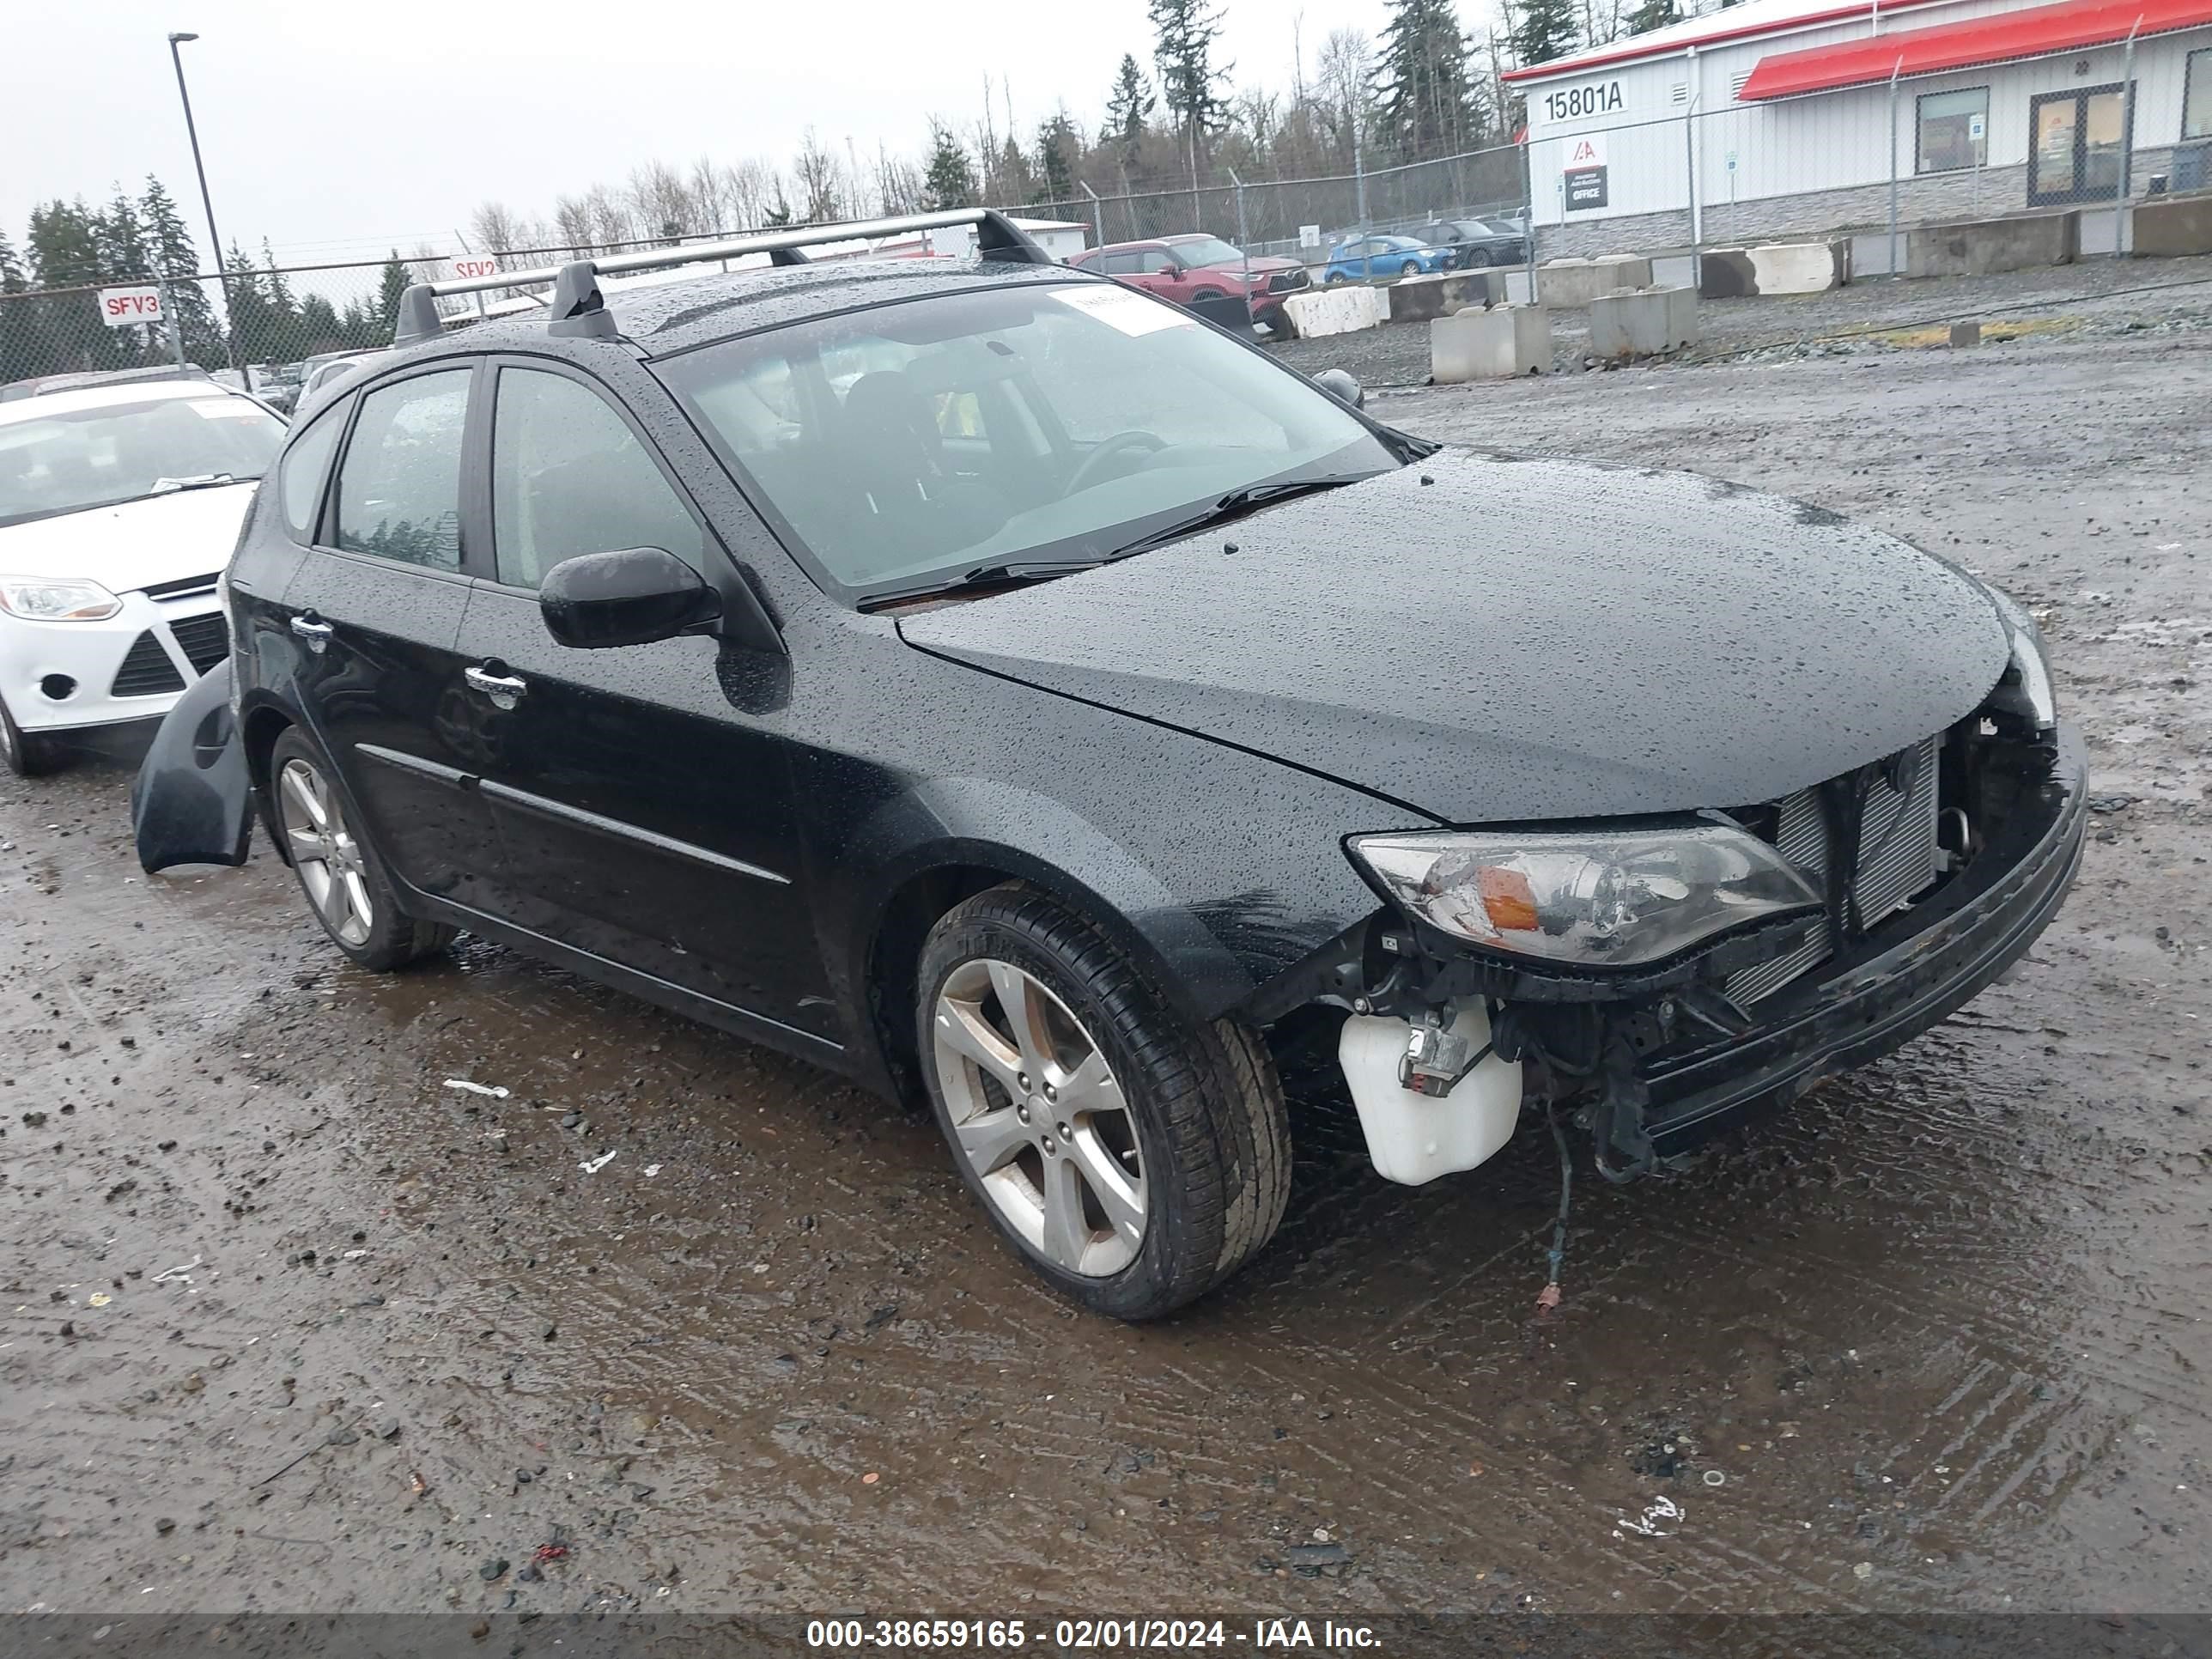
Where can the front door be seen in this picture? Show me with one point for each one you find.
(643, 813)
(372, 613)
(2077, 146)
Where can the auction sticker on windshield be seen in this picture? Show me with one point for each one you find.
(1117, 307)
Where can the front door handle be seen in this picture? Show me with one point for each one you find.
(316, 632)
(505, 690)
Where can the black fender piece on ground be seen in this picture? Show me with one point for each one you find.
(193, 799)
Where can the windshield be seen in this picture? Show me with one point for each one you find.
(67, 461)
(1208, 251)
(1022, 425)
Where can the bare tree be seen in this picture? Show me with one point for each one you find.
(494, 229)
(814, 170)
(1345, 83)
(572, 222)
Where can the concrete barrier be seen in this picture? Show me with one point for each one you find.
(1730, 273)
(1342, 310)
(1644, 323)
(1419, 299)
(1566, 284)
(1494, 344)
(1978, 247)
(2169, 226)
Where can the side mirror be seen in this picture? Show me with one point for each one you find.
(1339, 384)
(633, 597)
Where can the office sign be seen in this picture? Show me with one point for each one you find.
(1585, 173)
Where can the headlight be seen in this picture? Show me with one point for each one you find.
(2030, 666)
(1595, 901)
(45, 599)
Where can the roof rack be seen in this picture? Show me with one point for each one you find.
(578, 309)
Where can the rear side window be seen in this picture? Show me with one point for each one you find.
(299, 475)
(399, 486)
(569, 476)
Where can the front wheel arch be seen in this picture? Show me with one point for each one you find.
(263, 726)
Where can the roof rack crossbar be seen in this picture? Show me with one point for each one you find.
(576, 297)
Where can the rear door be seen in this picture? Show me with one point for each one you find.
(370, 618)
(643, 811)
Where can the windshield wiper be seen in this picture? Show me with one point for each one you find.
(1235, 505)
(983, 576)
(198, 481)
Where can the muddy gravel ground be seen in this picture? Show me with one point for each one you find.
(291, 1322)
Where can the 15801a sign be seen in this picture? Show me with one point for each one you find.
(1591, 98)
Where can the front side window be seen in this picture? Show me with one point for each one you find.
(1042, 423)
(399, 486)
(1209, 251)
(1954, 129)
(569, 476)
(299, 474)
(1154, 260)
(2197, 96)
(53, 463)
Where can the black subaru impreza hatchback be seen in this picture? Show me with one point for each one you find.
(996, 683)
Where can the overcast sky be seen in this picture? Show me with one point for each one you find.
(337, 132)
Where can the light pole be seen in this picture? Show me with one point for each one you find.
(207, 202)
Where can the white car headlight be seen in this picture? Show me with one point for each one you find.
(2029, 665)
(43, 598)
(1596, 900)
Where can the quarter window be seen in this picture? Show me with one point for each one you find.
(399, 486)
(299, 474)
(2197, 96)
(569, 476)
(1954, 129)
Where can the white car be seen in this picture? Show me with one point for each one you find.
(118, 508)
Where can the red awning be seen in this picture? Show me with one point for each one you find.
(2009, 35)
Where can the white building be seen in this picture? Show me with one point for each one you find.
(1786, 117)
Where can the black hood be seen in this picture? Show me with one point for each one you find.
(1518, 639)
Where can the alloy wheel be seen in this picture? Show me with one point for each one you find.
(324, 853)
(1038, 1116)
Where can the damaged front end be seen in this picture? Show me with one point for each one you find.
(1652, 979)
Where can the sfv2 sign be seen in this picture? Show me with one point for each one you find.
(120, 307)
(1583, 179)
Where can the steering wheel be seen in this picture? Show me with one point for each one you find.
(1113, 445)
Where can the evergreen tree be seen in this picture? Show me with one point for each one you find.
(1058, 145)
(17, 316)
(395, 282)
(1544, 30)
(1184, 32)
(779, 214)
(949, 179)
(64, 245)
(1654, 15)
(1127, 106)
(1428, 105)
(172, 253)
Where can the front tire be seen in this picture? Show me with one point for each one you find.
(25, 754)
(1132, 1161)
(339, 874)
(1411, 268)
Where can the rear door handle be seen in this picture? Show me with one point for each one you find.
(504, 689)
(317, 634)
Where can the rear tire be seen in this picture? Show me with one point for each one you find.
(26, 756)
(339, 874)
(1167, 1145)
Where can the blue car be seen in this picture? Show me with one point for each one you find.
(1386, 256)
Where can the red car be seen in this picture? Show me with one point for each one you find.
(1202, 271)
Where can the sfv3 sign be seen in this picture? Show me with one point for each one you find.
(121, 306)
